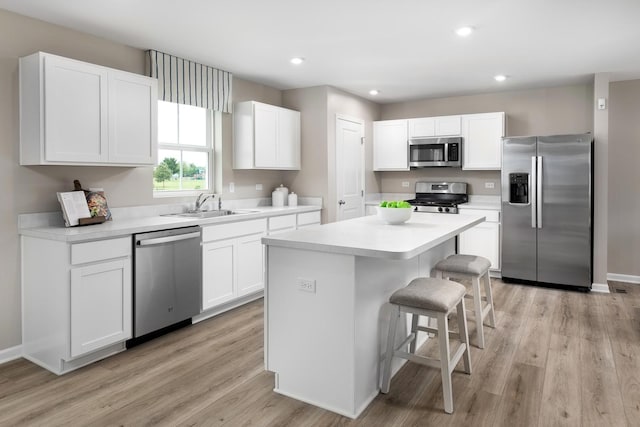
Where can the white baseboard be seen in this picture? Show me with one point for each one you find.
(623, 278)
(600, 287)
(11, 353)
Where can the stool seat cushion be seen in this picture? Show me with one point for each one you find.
(429, 293)
(464, 264)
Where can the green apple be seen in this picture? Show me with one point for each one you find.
(383, 204)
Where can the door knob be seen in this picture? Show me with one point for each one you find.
(341, 202)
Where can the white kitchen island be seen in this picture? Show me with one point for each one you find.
(326, 310)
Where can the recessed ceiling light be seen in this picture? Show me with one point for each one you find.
(500, 78)
(297, 61)
(464, 31)
(374, 92)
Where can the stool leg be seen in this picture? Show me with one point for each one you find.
(464, 335)
(477, 302)
(487, 291)
(445, 360)
(391, 336)
(414, 330)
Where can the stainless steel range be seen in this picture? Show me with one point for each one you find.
(442, 197)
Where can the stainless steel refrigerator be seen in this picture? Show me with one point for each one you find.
(547, 206)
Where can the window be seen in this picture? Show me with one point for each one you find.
(185, 149)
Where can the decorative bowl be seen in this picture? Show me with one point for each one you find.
(394, 215)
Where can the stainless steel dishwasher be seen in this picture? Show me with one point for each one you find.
(167, 279)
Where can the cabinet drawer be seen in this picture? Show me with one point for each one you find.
(100, 250)
(235, 229)
(280, 222)
(490, 215)
(308, 218)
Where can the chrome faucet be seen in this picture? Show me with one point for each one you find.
(200, 201)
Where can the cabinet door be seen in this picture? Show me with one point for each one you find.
(424, 127)
(390, 148)
(250, 265)
(288, 155)
(447, 126)
(482, 240)
(218, 279)
(100, 305)
(265, 134)
(75, 111)
(132, 119)
(482, 141)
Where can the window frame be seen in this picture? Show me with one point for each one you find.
(209, 148)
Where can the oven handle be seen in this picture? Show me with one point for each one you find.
(169, 239)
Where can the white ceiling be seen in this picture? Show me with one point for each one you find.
(405, 48)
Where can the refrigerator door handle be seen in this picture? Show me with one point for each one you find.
(532, 192)
(539, 191)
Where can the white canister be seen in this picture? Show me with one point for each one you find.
(284, 191)
(293, 199)
(277, 199)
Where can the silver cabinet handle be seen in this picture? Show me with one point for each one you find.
(532, 191)
(159, 240)
(539, 191)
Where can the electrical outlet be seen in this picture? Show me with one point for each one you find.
(258, 187)
(405, 184)
(232, 187)
(489, 185)
(307, 285)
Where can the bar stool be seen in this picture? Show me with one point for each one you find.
(475, 268)
(436, 298)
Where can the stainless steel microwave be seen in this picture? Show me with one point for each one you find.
(435, 152)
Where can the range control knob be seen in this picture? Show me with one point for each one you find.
(446, 210)
(439, 209)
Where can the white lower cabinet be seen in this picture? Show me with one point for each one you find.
(483, 239)
(76, 301)
(217, 273)
(232, 261)
(100, 305)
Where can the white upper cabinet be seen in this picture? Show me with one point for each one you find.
(434, 126)
(390, 145)
(482, 143)
(265, 137)
(132, 118)
(75, 113)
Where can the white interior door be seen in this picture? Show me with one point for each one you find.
(349, 168)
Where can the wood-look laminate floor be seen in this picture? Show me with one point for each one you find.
(556, 358)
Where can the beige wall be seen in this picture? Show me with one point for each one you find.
(529, 112)
(319, 106)
(624, 177)
(28, 189)
(311, 179)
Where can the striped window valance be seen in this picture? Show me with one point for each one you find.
(187, 82)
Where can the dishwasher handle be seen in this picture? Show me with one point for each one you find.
(160, 240)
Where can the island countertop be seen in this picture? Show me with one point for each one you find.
(369, 236)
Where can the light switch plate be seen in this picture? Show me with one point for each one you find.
(258, 187)
(602, 104)
(489, 185)
(232, 187)
(405, 184)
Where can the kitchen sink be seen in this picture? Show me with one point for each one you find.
(212, 214)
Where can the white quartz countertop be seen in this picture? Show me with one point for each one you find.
(122, 227)
(369, 236)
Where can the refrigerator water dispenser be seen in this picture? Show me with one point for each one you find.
(519, 188)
